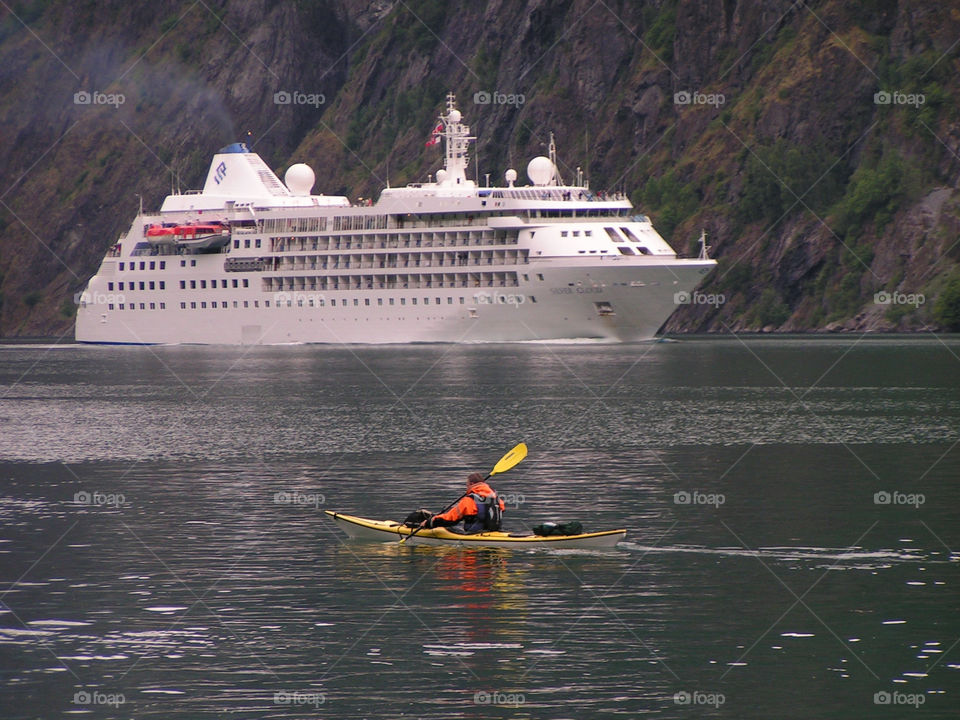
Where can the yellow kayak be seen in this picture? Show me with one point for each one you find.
(390, 531)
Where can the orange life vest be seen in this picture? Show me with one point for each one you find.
(467, 509)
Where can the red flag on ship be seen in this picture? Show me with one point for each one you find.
(434, 136)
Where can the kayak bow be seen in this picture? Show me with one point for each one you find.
(387, 530)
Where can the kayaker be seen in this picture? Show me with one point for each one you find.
(480, 509)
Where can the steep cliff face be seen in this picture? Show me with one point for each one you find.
(817, 143)
(165, 86)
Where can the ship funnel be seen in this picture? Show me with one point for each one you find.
(236, 172)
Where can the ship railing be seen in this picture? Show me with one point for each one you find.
(426, 285)
(565, 194)
(376, 244)
(406, 263)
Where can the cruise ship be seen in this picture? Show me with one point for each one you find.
(253, 260)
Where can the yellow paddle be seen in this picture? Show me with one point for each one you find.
(508, 461)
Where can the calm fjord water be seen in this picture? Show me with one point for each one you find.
(791, 505)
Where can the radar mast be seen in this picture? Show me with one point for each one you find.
(457, 136)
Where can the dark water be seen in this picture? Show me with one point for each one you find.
(177, 587)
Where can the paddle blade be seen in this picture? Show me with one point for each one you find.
(509, 460)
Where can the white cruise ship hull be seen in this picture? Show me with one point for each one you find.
(567, 304)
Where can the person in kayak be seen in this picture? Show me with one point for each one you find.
(481, 510)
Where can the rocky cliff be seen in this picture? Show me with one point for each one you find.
(817, 143)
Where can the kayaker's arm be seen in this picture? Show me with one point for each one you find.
(436, 521)
(464, 506)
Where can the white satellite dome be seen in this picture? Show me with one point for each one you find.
(541, 170)
(299, 179)
(441, 175)
(510, 176)
(454, 116)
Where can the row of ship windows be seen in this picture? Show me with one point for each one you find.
(360, 243)
(460, 258)
(300, 302)
(213, 284)
(162, 285)
(403, 281)
(398, 260)
(152, 264)
(319, 224)
(394, 281)
(383, 240)
(144, 285)
(133, 306)
(311, 301)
